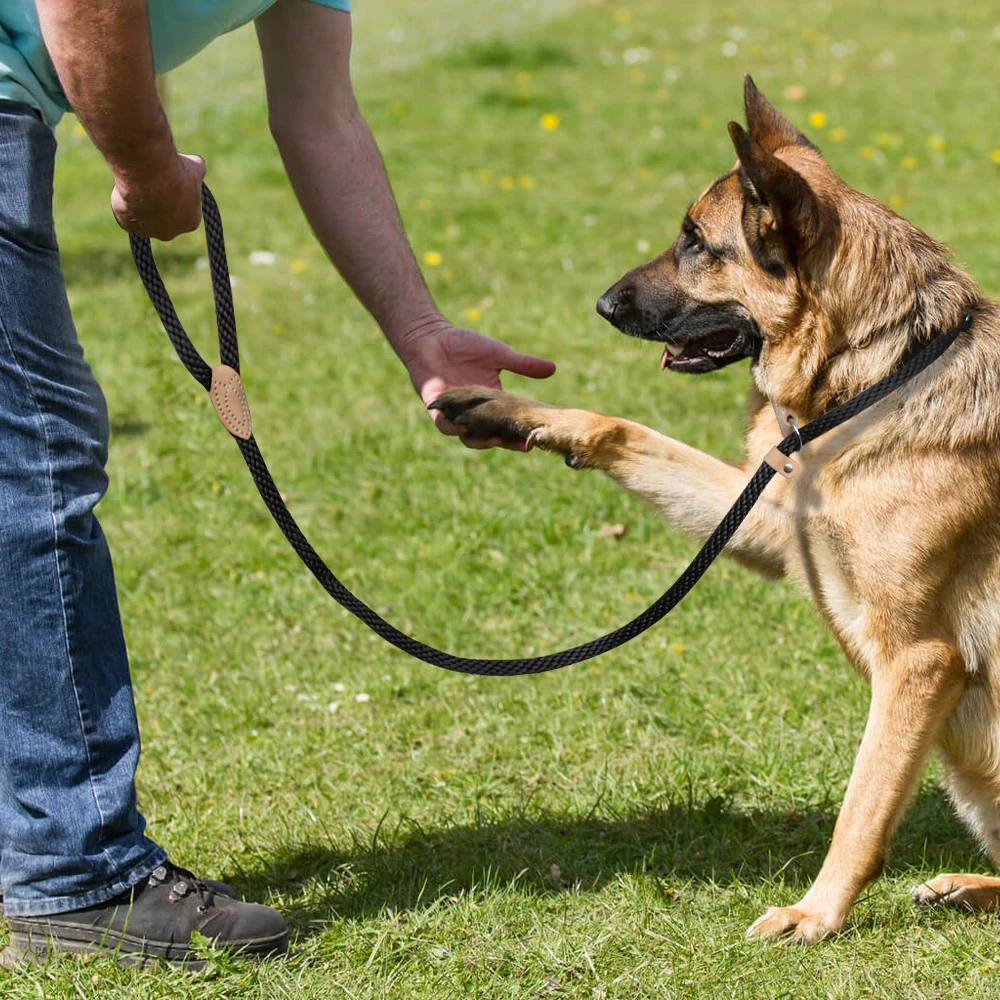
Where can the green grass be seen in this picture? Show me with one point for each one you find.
(681, 784)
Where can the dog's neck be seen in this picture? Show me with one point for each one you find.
(877, 300)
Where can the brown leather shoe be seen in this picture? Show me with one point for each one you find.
(153, 920)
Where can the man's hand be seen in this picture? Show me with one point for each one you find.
(164, 202)
(444, 357)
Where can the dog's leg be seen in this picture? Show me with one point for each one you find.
(911, 697)
(977, 806)
(690, 488)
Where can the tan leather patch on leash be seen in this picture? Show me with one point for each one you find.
(230, 401)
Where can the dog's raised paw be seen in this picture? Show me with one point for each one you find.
(484, 413)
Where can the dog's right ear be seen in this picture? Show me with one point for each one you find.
(770, 129)
(797, 213)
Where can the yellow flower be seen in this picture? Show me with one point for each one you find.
(484, 175)
(818, 119)
(895, 201)
(526, 181)
(549, 121)
(298, 265)
(432, 258)
(866, 153)
(676, 648)
(910, 162)
(995, 156)
(838, 134)
(473, 315)
(623, 15)
(887, 139)
(507, 183)
(937, 142)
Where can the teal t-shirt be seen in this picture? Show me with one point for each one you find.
(178, 30)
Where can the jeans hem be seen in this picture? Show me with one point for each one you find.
(66, 904)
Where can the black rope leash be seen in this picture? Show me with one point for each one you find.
(226, 389)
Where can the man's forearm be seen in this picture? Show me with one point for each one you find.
(341, 183)
(101, 51)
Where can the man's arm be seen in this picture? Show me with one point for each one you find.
(102, 54)
(337, 173)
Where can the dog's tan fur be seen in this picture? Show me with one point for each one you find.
(893, 525)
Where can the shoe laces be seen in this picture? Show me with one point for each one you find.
(184, 883)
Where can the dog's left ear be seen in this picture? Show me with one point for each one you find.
(797, 212)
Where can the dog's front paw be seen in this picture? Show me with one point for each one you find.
(489, 413)
(792, 925)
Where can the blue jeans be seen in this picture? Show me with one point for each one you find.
(70, 833)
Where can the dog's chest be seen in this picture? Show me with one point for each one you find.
(828, 563)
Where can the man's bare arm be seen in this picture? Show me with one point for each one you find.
(102, 54)
(338, 175)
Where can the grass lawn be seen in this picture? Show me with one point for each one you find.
(604, 832)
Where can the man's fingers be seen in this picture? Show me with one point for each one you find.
(481, 444)
(528, 364)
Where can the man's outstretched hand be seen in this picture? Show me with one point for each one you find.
(441, 357)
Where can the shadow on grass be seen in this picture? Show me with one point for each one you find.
(409, 868)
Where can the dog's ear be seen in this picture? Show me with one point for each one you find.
(768, 127)
(796, 211)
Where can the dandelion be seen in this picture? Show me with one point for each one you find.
(677, 648)
(473, 315)
(838, 134)
(887, 139)
(817, 119)
(549, 121)
(432, 258)
(896, 201)
(526, 181)
(910, 162)
(298, 265)
(507, 183)
(866, 153)
(936, 142)
(484, 175)
(995, 155)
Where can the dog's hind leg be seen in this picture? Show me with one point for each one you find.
(690, 488)
(978, 807)
(912, 696)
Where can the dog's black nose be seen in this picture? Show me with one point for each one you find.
(607, 304)
(615, 301)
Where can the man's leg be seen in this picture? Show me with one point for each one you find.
(69, 741)
(71, 838)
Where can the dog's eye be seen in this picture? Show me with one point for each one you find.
(694, 243)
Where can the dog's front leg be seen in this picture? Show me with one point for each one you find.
(690, 488)
(911, 697)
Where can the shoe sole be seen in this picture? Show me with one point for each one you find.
(37, 947)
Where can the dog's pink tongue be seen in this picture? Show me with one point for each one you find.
(665, 360)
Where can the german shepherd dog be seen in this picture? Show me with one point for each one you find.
(893, 523)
